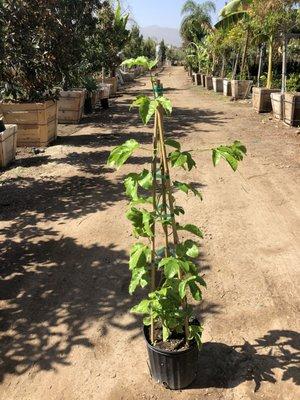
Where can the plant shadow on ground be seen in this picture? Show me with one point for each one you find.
(223, 366)
(51, 287)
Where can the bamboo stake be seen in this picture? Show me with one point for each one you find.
(153, 244)
(171, 201)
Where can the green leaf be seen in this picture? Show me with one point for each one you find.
(166, 104)
(178, 210)
(152, 64)
(120, 154)
(142, 221)
(170, 265)
(182, 159)
(190, 228)
(195, 291)
(141, 308)
(173, 143)
(143, 104)
(185, 187)
(138, 256)
(232, 154)
(145, 179)
(140, 277)
(192, 249)
(151, 110)
(196, 334)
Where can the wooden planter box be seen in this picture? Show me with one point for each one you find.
(218, 84)
(226, 87)
(291, 109)
(8, 145)
(277, 105)
(70, 106)
(261, 99)
(37, 122)
(209, 82)
(95, 98)
(114, 82)
(240, 89)
(197, 79)
(203, 79)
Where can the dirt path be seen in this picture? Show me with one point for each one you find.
(65, 330)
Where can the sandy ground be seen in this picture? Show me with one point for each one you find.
(65, 330)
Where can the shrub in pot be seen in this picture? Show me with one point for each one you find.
(169, 272)
(28, 71)
(92, 94)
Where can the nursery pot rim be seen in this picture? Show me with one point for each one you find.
(191, 347)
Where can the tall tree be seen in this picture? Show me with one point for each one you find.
(134, 47)
(197, 20)
(162, 52)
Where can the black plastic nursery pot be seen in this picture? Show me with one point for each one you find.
(173, 369)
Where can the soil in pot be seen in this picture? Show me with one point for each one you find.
(173, 364)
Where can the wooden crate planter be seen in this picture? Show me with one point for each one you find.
(37, 122)
(70, 106)
(240, 89)
(261, 99)
(114, 82)
(218, 84)
(208, 82)
(8, 145)
(291, 114)
(203, 79)
(277, 105)
(197, 79)
(226, 87)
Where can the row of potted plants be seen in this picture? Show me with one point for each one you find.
(235, 88)
(285, 106)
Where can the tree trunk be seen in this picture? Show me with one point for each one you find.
(223, 67)
(235, 66)
(260, 64)
(284, 60)
(245, 53)
(270, 63)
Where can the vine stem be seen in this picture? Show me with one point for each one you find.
(171, 200)
(153, 243)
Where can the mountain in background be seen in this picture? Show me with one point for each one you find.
(170, 35)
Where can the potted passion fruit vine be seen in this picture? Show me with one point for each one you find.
(172, 333)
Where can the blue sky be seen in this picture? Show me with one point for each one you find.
(160, 12)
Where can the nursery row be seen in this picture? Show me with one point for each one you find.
(255, 44)
(285, 106)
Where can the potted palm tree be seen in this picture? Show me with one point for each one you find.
(169, 272)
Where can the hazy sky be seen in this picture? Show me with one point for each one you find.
(160, 12)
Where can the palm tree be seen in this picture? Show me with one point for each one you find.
(196, 21)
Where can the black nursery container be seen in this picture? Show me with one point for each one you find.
(173, 369)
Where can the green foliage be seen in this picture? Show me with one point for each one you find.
(147, 106)
(232, 154)
(121, 153)
(153, 204)
(162, 53)
(293, 83)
